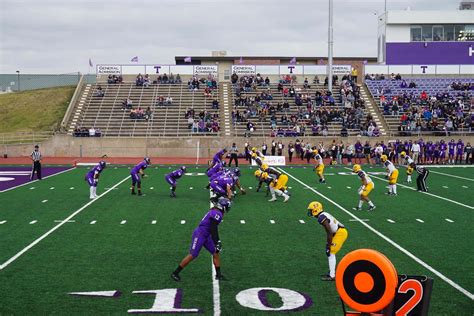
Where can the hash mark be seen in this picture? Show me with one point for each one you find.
(123, 222)
(242, 221)
(183, 222)
(272, 221)
(93, 222)
(33, 222)
(449, 220)
(420, 220)
(44, 201)
(301, 221)
(153, 222)
(71, 188)
(2, 222)
(52, 188)
(390, 221)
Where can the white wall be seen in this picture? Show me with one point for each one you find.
(431, 17)
(398, 33)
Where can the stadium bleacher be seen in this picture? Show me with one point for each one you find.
(107, 114)
(446, 105)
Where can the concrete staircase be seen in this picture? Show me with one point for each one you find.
(78, 110)
(372, 108)
(226, 108)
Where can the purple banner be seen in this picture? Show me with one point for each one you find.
(430, 53)
(15, 176)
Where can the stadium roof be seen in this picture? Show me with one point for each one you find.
(283, 59)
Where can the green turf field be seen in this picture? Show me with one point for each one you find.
(128, 243)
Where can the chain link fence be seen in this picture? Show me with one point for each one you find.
(23, 82)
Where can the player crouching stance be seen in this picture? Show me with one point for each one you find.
(392, 175)
(278, 184)
(365, 189)
(92, 178)
(138, 171)
(319, 167)
(408, 162)
(207, 235)
(172, 177)
(336, 235)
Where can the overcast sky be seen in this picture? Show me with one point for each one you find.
(59, 36)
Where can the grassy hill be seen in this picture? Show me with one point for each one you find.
(34, 110)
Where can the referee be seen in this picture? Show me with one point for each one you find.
(36, 158)
(234, 155)
(422, 176)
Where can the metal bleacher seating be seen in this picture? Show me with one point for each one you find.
(107, 114)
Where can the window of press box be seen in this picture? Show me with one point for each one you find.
(440, 33)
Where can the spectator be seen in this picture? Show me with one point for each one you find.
(215, 104)
(169, 100)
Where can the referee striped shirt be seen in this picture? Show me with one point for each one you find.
(36, 155)
(421, 169)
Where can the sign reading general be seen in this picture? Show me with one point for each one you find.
(244, 70)
(205, 70)
(109, 70)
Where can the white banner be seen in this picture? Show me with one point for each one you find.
(109, 69)
(273, 161)
(205, 70)
(341, 69)
(244, 70)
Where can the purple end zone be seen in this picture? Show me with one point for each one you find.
(11, 177)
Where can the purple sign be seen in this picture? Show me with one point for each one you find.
(11, 177)
(430, 53)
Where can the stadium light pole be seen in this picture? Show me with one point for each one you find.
(18, 73)
(330, 44)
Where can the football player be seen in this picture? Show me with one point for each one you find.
(319, 167)
(408, 160)
(173, 177)
(206, 235)
(258, 174)
(336, 235)
(278, 185)
(365, 189)
(451, 149)
(137, 173)
(92, 178)
(219, 156)
(392, 175)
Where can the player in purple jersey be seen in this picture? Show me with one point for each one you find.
(442, 152)
(224, 185)
(92, 178)
(172, 177)
(459, 151)
(206, 235)
(137, 173)
(451, 149)
(219, 156)
(421, 156)
(429, 148)
(436, 153)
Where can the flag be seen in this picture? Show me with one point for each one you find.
(241, 60)
(90, 63)
(293, 61)
(134, 59)
(365, 62)
(187, 59)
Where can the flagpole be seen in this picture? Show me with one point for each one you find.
(330, 46)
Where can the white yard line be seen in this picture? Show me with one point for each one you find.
(35, 242)
(451, 175)
(37, 180)
(427, 193)
(216, 293)
(390, 241)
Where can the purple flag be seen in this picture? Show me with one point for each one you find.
(293, 61)
(90, 63)
(365, 61)
(241, 60)
(187, 59)
(134, 59)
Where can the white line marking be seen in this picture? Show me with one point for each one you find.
(445, 186)
(465, 187)
(449, 220)
(409, 254)
(71, 188)
(216, 293)
(37, 180)
(329, 188)
(93, 222)
(420, 220)
(250, 188)
(390, 221)
(153, 222)
(348, 187)
(52, 188)
(301, 221)
(32, 188)
(2, 222)
(44, 201)
(427, 193)
(123, 222)
(33, 222)
(97, 293)
(35, 242)
(152, 188)
(183, 222)
(272, 221)
(362, 219)
(190, 188)
(451, 175)
(242, 221)
(61, 220)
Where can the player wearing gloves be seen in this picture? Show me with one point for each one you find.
(92, 178)
(336, 235)
(392, 175)
(365, 189)
(206, 235)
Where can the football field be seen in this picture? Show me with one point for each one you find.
(116, 253)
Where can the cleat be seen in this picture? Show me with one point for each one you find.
(371, 208)
(388, 193)
(357, 209)
(272, 199)
(172, 194)
(175, 277)
(327, 278)
(91, 197)
(140, 194)
(221, 278)
(133, 193)
(286, 199)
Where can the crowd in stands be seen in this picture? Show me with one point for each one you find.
(314, 110)
(113, 79)
(204, 122)
(422, 152)
(137, 113)
(210, 83)
(145, 81)
(87, 132)
(99, 92)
